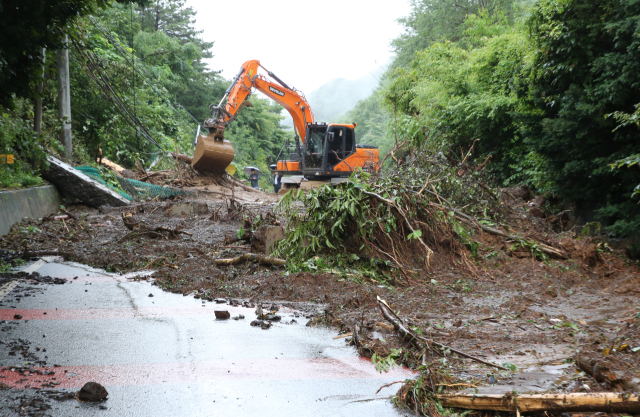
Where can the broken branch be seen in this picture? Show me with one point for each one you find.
(251, 257)
(549, 250)
(181, 157)
(38, 254)
(388, 385)
(390, 316)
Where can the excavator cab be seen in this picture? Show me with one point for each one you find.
(329, 151)
(314, 148)
(325, 148)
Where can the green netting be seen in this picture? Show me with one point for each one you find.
(138, 189)
(142, 189)
(95, 174)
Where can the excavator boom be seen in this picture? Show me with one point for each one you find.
(289, 98)
(213, 153)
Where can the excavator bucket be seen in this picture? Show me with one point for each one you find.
(212, 154)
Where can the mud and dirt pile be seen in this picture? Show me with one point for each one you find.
(478, 270)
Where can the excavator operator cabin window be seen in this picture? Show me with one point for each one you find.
(314, 147)
(335, 151)
(349, 142)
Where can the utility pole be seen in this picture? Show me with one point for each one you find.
(37, 119)
(64, 96)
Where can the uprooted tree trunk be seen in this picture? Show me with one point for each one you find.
(609, 402)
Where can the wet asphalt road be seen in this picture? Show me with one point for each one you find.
(167, 355)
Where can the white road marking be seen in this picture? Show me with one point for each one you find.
(6, 288)
(34, 266)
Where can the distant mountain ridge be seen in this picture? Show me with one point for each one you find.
(338, 96)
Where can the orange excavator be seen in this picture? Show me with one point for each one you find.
(321, 151)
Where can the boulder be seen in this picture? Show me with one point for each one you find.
(536, 206)
(92, 391)
(222, 314)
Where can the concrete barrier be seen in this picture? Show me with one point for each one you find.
(74, 183)
(33, 202)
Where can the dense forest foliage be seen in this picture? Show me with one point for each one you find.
(549, 91)
(139, 88)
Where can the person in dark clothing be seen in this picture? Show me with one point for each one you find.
(254, 179)
(277, 182)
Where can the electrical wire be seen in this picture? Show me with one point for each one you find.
(171, 101)
(92, 65)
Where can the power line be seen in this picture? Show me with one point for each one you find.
(103, 81)
(138, 68)
(133, 72)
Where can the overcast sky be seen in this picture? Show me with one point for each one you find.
(304, 42)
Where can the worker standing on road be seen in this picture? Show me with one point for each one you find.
(254, 179)
(277, 182)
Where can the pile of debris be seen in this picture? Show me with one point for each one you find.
(395, 226)
(85, 183)
(184, 175)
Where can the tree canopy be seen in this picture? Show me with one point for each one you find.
(436, 20)
(544, 96)
(549, 90)
(27, 26)
(139, 84)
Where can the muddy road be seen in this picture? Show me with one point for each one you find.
(516, 310)
(158, 353)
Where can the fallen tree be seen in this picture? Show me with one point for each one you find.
(608, 402)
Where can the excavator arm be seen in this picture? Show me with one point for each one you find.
(236, 97)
